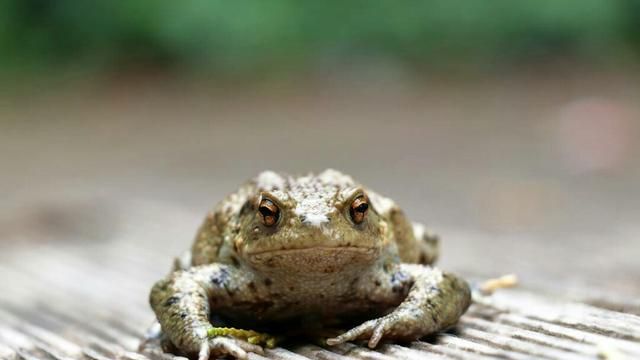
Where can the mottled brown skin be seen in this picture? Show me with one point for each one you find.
(319, 265)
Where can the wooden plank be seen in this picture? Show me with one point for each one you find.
(513, 324)
(67, 302)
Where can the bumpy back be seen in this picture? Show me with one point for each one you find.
(218, 225)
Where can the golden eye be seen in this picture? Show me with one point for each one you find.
(268, 212)
(359, 208)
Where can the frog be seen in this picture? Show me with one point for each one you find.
(303, 255)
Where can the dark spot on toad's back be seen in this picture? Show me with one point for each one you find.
(434, 317)
(235, 261)
(172, 300)
(220, 278)
(267, 282)
(270, 263)
(252, 286)
(399, 281)
(399, 278)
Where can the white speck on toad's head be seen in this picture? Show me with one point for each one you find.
(313, 219)
(269, 180)
(313, 201)
(315, 195)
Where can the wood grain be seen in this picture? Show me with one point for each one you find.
(64, 301)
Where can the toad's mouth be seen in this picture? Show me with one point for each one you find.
(346, 248)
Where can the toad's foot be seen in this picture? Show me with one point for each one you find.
(182, 301)
(435, 302)
(393, 326)
(222, 345)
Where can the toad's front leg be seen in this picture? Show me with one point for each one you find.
(182, 305)
(435, 302)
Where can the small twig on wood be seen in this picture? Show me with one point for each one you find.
(490, 286)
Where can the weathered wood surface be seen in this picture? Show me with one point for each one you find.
(74, 300)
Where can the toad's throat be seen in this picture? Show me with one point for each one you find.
(318, 259)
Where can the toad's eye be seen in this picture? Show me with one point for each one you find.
(268, 212)
(359, 208)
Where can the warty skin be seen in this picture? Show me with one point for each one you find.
(302, 256)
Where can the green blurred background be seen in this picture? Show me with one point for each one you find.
(257, 38)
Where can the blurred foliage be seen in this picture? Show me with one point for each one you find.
(256, 36)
